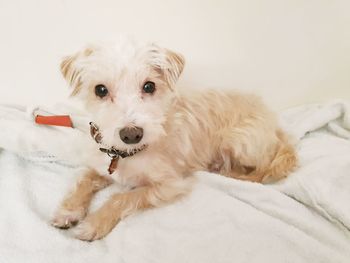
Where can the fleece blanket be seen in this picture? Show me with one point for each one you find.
(304, 218)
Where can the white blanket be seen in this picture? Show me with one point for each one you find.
(305, 218)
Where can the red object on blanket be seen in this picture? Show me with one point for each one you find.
(59, 120)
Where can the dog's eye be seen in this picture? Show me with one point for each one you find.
(101, 90)
(149, 87)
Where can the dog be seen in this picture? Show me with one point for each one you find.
(154, 135)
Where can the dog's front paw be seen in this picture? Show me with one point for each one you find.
(93, 227)
(65, 219)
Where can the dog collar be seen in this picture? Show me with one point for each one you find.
(112, 151)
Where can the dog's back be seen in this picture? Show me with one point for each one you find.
(234, 134)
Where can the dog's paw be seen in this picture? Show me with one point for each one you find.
(65, 219)
(86, 231)
(93, 227)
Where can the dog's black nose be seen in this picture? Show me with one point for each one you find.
(131, 135)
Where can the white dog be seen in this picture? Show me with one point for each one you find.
(157, 137)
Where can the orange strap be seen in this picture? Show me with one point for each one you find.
(59, 120)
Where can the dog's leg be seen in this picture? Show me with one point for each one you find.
(98, 224)
(268, 158)
(74, 207)
(227, 163)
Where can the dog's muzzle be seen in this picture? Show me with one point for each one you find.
(112, 151)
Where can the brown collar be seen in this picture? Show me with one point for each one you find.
(113, 152)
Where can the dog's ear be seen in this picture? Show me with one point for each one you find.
(70, 70)
(169, 63)
(177, 64)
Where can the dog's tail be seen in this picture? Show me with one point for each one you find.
(284, 161)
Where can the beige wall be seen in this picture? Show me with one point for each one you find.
(289, 51)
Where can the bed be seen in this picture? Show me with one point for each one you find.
(304, 218)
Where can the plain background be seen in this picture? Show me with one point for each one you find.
(289, 51)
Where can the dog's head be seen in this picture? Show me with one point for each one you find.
(128, 89)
